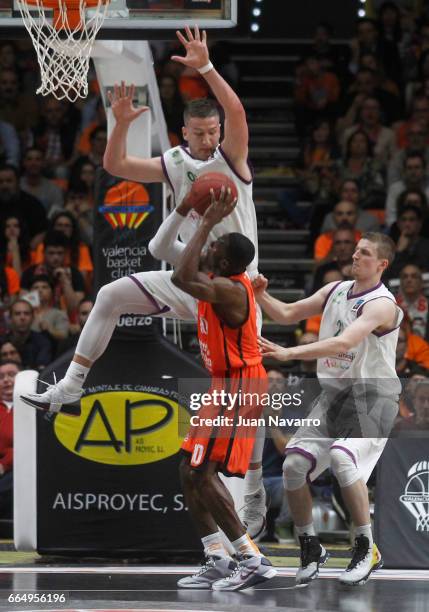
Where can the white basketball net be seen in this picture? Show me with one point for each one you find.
(64, 54)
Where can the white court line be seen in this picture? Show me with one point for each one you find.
(286, 572)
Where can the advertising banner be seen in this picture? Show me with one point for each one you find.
(402, 504)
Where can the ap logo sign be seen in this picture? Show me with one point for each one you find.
(416, 494)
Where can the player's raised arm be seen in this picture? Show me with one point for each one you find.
(116, 161)
(236, 138)
(288, 314)
(380, 314)
(187, 274)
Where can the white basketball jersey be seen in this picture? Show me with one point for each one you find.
(375, 356)
(181, 170)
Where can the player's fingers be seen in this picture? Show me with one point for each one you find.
(116, 90)
(110, 96)
(189, 34)
(196, 32)
(212, 196)
(131, 90)
(204, 38)
(178, 58)
(123, 89)
(181, 38)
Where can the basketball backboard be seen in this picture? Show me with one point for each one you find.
(130, 17)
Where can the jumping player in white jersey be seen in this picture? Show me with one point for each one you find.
(152, 293)
(359, 400)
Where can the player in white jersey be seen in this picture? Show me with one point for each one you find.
(359, 401)
(152, 293)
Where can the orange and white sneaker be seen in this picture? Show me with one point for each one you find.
(366, 559)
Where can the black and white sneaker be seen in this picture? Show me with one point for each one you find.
(214, 569)
(313, 555)
(55, 400)
(365, 560)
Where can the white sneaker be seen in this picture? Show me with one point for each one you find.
(366, 559)
(254, 512)
(313, 555)
(55, 399)
(214, 569)
(249, 572)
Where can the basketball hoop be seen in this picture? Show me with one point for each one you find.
(63, 44)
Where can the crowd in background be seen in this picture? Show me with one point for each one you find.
(362, 115)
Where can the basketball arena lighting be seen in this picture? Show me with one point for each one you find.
(256, 12)
(361, 12)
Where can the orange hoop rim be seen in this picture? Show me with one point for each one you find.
(67, 13)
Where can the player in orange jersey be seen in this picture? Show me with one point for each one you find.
(228, 340)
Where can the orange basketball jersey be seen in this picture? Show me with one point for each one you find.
(225, 348)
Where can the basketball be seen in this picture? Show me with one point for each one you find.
(200, 196)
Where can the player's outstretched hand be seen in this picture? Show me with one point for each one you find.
(221, 207)
(121, 101)
(259, 284)
(197, 53)
(270, 350)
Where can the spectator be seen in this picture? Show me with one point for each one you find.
(173, 107)
(8, 372)
(9, 145)
(83, 311)
(417, 348)
(368, 40)
(414, 198)
(273, 457)
(68, 283)
(413, 301)
(97, 142)
(414, 178)
(82, 178)
(405, 368)
(55, 136)
(317, 159)
(345, 216)
(80, 205)
(15, 244)
(417, 423)
(16, 107)
(343, 246)
(34, 347)
(78, 254)
(9, 352)
(366, 221)
(369, 121)
(328, 55)
(47, 318)
(316, 93)
(14, 202)
(411, 247)
(419, 116)
(369, 60)
(84, 146)
(33, 182)
(417, 143)
(360, 166)
(9, 284)
(312, 324)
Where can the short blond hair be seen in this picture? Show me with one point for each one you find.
(386, 248)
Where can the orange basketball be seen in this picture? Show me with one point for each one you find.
(200, 196)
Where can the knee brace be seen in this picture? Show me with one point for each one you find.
(343, 467)
(295, 470)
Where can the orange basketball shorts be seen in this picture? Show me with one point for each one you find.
(224, 430)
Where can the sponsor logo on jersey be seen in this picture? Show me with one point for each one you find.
(123, 428)
(357, 305)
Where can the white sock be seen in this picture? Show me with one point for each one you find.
(366, 531)
(75, 377)
(213, 545)
(246, 546)
(253, 481)
(306, 530)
